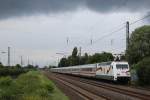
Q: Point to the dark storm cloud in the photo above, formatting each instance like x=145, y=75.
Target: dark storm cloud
x=13, y=8
x=118, y=5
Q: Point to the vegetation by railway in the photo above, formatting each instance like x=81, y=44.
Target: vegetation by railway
x=29, y=86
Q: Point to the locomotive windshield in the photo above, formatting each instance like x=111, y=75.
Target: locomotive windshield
x=121, y=66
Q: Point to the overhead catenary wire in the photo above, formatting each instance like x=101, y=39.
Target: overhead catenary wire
x=114, y=32
x=109, y=34
x=119, y=29
x=92, y=41
x=124, y=2
x=140, y=19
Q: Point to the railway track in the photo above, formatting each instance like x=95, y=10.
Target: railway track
x=123, y=91
x=135, y=94
x=82, y=92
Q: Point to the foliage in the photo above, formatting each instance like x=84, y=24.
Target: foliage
x=143, y=71
x=30, y=86
x=139, y=46
x=15, y=70
x=101, y=57
x=75, y=52
x=33, y=84
x=8, y=89
x=63, y=62
x=18, y=66
x=7, y=71
x=1, y=65
x=84, y=59
x=138, y=53
x=52, y=66
x=75, y=59
x=31, y=66
x=122, y=57
x=58, y=95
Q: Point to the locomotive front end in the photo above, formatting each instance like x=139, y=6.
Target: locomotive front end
x=122, y=72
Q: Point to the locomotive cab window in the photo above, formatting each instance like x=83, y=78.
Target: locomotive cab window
x=121, y=66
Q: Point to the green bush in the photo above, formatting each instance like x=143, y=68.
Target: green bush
x=8, y=89
x=29, y=86
x=6, y=71
x=33, y=83
x=143, y=71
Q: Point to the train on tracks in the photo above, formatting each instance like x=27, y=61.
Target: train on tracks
x=113, y=70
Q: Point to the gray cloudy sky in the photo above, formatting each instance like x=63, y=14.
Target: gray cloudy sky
x=37, y=29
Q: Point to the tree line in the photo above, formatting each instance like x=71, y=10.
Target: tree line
x=15, y=70
x=77, y=59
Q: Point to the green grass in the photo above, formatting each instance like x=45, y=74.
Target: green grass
x=30, y=86
x=58, y=95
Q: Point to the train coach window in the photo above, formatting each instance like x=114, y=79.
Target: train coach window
x=121, y=66
x=87, y=69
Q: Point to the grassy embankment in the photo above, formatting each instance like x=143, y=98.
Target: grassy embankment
x=29, y=86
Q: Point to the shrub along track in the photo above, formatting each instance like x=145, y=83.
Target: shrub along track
x=106, y=90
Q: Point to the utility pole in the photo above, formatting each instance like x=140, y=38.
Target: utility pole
x=67, y=40
x=127, y=35
x=28, y=61
x=80, y=55
x=32, y=63
x=9, y=56
x=91, y=41
x=111, y=43
x=2, y=53
x=21, y=61
x=80, y=52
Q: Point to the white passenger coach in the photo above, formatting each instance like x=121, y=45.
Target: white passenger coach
x=116, y=71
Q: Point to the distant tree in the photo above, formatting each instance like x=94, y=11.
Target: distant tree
x=1, y=65
x=95, y=58
x=101, y=57
x=18, y=66
x=75, y=52
x=30, y=66
x=122, y=57
x=63, y=62
x=52, y=66
x=70, y=62
x=139, y=46
x=107, y=56
x=75, y=59
x=84, y=59
x=36, y=66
